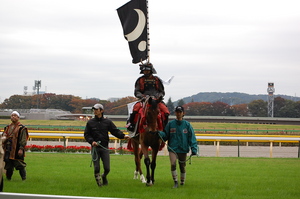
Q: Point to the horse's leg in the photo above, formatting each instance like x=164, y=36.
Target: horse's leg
x=137, y=159
x=146, y=159
x=148, y=177
x=142, y=178
x=153, y=163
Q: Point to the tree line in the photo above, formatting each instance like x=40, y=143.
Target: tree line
x=256, y=108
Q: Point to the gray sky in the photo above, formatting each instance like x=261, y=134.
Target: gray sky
x=77, y=47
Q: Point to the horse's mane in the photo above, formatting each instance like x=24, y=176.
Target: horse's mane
x=152, y=113
x=154, y=103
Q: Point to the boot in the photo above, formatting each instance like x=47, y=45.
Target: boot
x=131, y=125
x=9, y=173
x=174, y=176
x=104, y=180
x=175, y=185
x=182, y=178
x=98, y=179
x=23, y=173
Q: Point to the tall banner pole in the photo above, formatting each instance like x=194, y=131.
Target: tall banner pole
x=148, y=39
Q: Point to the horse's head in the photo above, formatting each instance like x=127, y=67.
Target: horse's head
x=152, y=112
x=153, y=102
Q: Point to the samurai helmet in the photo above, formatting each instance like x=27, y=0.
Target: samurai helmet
x=147, y=66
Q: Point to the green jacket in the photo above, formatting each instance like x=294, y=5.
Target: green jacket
x=180, y=136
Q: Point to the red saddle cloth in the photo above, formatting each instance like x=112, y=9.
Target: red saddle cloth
x=143, y=124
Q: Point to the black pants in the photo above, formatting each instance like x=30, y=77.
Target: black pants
x=102, y=154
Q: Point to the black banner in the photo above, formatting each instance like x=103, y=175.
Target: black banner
x=133, y=17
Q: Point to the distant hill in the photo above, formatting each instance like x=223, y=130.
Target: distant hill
x=230, y=98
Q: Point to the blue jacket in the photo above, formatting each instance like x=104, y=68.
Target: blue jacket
x=180, y=136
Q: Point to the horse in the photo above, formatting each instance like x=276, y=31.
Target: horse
x=147, y=127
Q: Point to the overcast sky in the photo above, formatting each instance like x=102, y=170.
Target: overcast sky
x=77, y=47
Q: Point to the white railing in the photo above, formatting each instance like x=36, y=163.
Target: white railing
x=254, y=138
x=66, y=135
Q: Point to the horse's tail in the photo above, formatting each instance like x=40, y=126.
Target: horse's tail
x=129, y=145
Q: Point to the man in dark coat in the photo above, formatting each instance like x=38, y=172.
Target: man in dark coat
x=96, y=133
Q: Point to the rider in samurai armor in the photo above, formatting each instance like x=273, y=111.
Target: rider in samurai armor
x=148, y=85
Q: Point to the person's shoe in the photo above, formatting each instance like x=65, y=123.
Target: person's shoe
x=98, y=180
x=23, y=173
x=175, y=185
x=104, y=180
x=9, y=174
x=182, y=182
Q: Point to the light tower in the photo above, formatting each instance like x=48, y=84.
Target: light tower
x=37, y=85
x=271, y=91
x=25, y=90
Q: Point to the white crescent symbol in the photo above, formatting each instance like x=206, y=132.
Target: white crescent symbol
x=142, y=46
x=139, y=27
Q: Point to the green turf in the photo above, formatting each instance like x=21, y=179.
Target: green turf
x=71, y=174
x=121, y=124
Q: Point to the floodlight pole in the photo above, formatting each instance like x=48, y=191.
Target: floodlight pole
x=271, y=91
x=37, y=85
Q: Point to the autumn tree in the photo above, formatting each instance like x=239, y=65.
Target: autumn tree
x=119, y=107
x=258, y=108
x=297, y=108
x=285, y=108
x=221, y=109
x=180, y=102
x=240, y=109
x=198, y=108
x=279, y=102
x=170, y=106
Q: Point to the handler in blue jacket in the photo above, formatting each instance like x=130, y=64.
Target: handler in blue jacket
x=181, y=137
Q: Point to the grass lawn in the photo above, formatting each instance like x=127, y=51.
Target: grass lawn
x=71, y=174
x=196, y=125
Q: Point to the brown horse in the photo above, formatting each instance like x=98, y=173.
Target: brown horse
x=147, y=136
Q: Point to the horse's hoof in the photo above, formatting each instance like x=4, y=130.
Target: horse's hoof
x=148, y=184
x=142, y=178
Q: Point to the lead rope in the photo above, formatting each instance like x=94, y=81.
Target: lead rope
x=189, y=159
x=94, y=151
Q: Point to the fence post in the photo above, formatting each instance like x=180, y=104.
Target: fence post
x=115, y=145
x=238, y=148
x=218, y=148
x=271, y=148
x=299, y=150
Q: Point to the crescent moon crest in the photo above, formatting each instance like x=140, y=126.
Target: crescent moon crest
x=138, y=30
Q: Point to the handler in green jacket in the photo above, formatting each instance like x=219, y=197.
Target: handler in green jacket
x=181, y=138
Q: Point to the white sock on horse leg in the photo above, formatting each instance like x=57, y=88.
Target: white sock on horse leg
x=142, y=178
x=136, y=174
